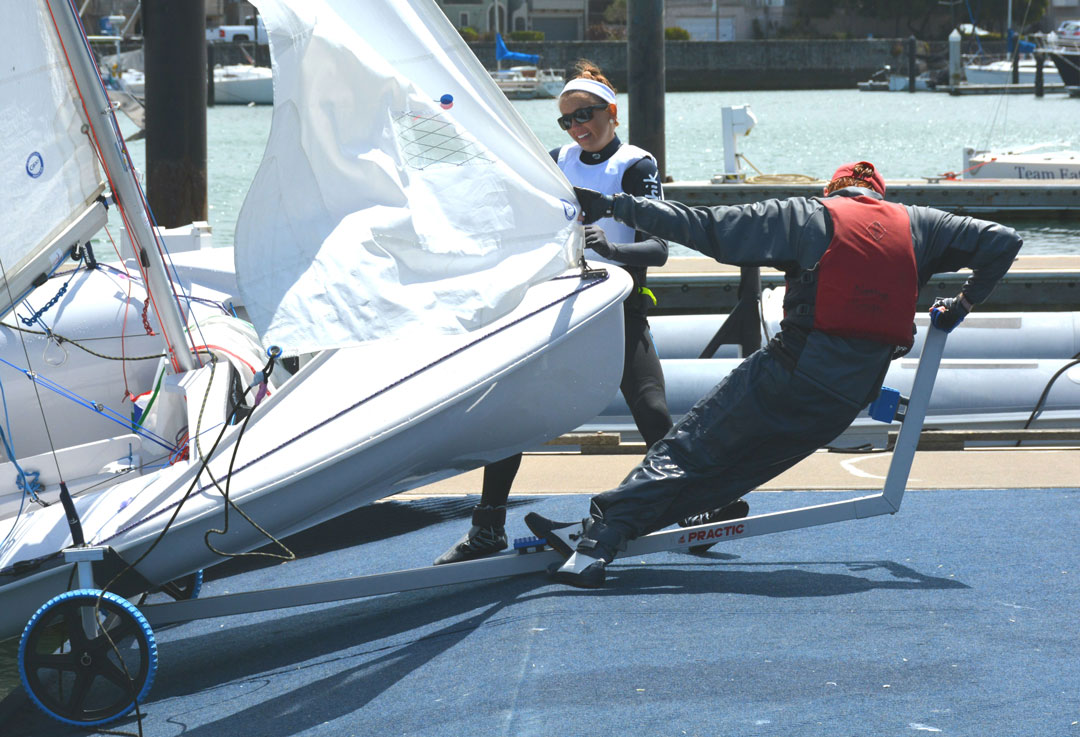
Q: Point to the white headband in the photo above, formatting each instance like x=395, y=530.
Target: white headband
x=599, y=89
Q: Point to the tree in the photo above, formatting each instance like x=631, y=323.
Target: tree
x=615, y=13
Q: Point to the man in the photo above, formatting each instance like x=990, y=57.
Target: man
x=854, y=264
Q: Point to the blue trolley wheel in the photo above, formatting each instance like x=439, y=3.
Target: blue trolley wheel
x=82, y=678
x=190, y=586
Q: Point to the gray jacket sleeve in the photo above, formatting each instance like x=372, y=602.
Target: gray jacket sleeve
x=946, y=242
x=784, y=234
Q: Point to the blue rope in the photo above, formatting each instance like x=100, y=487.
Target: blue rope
x=106, y=412
x=26, y=482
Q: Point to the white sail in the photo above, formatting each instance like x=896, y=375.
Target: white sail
x=50, y=176
x=380, y=206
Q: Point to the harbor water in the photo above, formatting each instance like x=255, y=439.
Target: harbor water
x=808, y=132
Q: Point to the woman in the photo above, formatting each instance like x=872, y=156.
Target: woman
x=595, y=159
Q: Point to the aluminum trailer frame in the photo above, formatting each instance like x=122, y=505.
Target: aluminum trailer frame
x=517, y=563
x=93, y=611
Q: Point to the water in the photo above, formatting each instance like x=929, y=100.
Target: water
x=811, y=132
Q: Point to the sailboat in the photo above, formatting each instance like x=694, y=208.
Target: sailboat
x=524, y=80
x=407, y=242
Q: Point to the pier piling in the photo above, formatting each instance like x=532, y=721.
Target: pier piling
x=174, y=48
x=645, y=72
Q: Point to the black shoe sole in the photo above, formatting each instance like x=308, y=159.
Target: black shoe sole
x=542, y=527
x=453, y=556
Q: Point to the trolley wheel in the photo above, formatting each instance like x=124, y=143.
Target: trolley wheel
x=189, y=586
x=87, y=678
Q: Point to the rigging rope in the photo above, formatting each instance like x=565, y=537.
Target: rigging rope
x=593, y=278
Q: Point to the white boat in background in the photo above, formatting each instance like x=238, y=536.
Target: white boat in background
x=1000, y=72
x=525, y=80
x=1047, y=161
x=406, y=238
x=529, y=82
x=887, y=79
x=243, y=84
x=234, y=84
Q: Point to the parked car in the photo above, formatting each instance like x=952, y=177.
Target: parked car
x=252, y=30
x=1068, y=33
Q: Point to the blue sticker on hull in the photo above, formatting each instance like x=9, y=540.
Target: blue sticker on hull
x=35, y=165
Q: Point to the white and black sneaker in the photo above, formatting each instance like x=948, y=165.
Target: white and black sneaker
x=479, y=542
x=562, y=536
x=581, y=570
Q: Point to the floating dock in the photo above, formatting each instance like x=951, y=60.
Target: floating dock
x=699, y=285
x=984, y=198
x=1001, y=89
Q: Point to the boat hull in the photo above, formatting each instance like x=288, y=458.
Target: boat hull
x=351, y=427
x=1067, y=61
x=1000, y=72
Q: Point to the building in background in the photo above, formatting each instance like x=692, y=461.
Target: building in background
x=493, y=16
x=570, y=20
x=725, y=20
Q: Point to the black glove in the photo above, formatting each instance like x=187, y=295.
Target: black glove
x=597, y=240
x=948, y=312
x=594, y=205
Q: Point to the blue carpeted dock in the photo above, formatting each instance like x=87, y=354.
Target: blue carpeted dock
x=957, y=616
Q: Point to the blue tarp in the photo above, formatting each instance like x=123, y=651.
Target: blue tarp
x=504, y=54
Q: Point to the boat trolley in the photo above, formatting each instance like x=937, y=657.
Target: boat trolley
x=87, y=657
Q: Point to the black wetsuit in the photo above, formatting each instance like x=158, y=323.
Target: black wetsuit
x=806, y=386
x=642, y=382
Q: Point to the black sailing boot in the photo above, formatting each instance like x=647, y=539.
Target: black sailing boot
x=487, y=536
x=736, y=510
x=586, y=558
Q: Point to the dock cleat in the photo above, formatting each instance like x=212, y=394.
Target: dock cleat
x=736, y=510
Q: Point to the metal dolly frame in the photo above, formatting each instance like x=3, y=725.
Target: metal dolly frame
x=515, y=563
x=138, y=622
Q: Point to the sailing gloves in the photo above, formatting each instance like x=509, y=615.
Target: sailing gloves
x=597, y=241
x=594, y=205
x=948, y=312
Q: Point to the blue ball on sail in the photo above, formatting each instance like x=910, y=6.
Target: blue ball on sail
x=446, y=101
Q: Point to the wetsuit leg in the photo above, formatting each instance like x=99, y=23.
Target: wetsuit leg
x=757, y=423
x=498, y=478
x=643, y=379
x=487, y=535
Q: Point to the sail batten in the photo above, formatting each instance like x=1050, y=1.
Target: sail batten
x=400, y=193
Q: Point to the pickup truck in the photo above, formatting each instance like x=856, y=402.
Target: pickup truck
x=251, y=31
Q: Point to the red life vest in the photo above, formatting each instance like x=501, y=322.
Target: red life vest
x=867, y=280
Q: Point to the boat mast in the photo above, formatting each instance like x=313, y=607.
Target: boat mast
x=125, y=186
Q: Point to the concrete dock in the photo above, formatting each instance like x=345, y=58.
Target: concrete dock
x=976, y=468
x=983, y=198
x=957, y=615
x=701, y=285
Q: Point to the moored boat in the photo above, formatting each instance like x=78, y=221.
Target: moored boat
x=1049, y=162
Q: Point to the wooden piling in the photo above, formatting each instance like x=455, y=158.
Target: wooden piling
x=174, y=48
